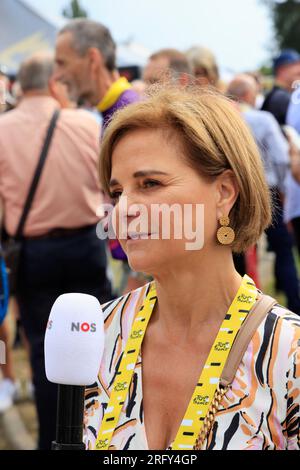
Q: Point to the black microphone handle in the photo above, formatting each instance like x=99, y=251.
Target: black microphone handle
x=69, y=425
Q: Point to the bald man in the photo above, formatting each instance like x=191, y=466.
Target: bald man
x=272, y=144
x=243, y=89
x=274, y=150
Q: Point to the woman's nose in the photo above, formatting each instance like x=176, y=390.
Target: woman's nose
x=128, y=207
x=129, y=214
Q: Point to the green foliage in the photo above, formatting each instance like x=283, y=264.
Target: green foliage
x=266, y=70
x=286, y=19
x=74, y=10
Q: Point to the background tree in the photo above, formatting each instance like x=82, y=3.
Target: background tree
x=75, y=10
x=286, y=20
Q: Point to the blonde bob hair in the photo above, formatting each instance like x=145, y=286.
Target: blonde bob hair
x=214, y=138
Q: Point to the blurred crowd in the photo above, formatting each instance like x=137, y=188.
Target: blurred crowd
x=60, y=249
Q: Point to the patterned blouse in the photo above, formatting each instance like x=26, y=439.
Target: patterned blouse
x=261, y=411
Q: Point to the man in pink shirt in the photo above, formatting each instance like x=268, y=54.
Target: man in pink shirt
x=61, y=252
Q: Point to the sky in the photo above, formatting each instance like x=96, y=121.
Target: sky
x=238, y=31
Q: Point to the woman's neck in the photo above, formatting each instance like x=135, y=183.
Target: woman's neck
x=197, y=296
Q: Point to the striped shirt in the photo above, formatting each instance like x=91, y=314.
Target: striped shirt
x=261, y=411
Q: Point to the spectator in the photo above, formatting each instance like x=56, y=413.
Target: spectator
x=59, y=92
x=286, y=71
x=16, y=91
x=9, y=386
x=293, y=113
x=292, y=202
x=292, y=207
x=6, y=100
x=274, y=150
x=61, y=252
x=139, y=86
x=86, y=63
x=204, y=66
x=260, y=97
x=166, y=65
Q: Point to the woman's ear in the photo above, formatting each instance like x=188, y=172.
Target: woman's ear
x=227, y=192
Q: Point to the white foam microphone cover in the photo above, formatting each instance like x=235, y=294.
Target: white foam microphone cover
x=74, y=340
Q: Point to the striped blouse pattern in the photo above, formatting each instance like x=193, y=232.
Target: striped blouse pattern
x=261, y=411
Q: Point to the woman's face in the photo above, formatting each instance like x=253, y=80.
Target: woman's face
x=148, y=170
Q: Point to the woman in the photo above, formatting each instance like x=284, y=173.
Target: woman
x=204, y=66
x=189, y=147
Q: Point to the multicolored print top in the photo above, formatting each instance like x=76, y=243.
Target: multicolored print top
x=261, y=411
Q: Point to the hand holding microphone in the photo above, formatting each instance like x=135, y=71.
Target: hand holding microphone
x=74, y=345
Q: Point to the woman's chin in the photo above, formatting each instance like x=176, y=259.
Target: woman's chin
x=140, y=263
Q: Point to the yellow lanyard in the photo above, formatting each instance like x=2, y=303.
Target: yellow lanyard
x=207, y=383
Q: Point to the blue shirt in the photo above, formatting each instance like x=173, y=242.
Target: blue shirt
x=273, y=146
x=293, y=114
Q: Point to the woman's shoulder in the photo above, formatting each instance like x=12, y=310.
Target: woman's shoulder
x=287, y=319
x=278, y=337
x=281, y=323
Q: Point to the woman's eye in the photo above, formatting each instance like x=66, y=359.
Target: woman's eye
x=150, y=183
x=115, y=195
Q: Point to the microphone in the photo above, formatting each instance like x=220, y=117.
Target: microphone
x=74, y=345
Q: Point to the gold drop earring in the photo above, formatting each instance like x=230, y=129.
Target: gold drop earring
x=225, y=234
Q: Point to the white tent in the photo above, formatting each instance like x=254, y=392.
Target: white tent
x=23, y=32
x=132, y=53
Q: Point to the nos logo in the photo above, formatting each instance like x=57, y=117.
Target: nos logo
x=84, y=327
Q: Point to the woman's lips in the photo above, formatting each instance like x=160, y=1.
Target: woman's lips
x=138, y=236
x=135, y=236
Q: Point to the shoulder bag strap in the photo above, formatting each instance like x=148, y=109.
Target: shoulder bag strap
x=37, y=174
x=250, y=325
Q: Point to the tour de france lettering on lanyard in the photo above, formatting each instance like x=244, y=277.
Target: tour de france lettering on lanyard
x=209, y=378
